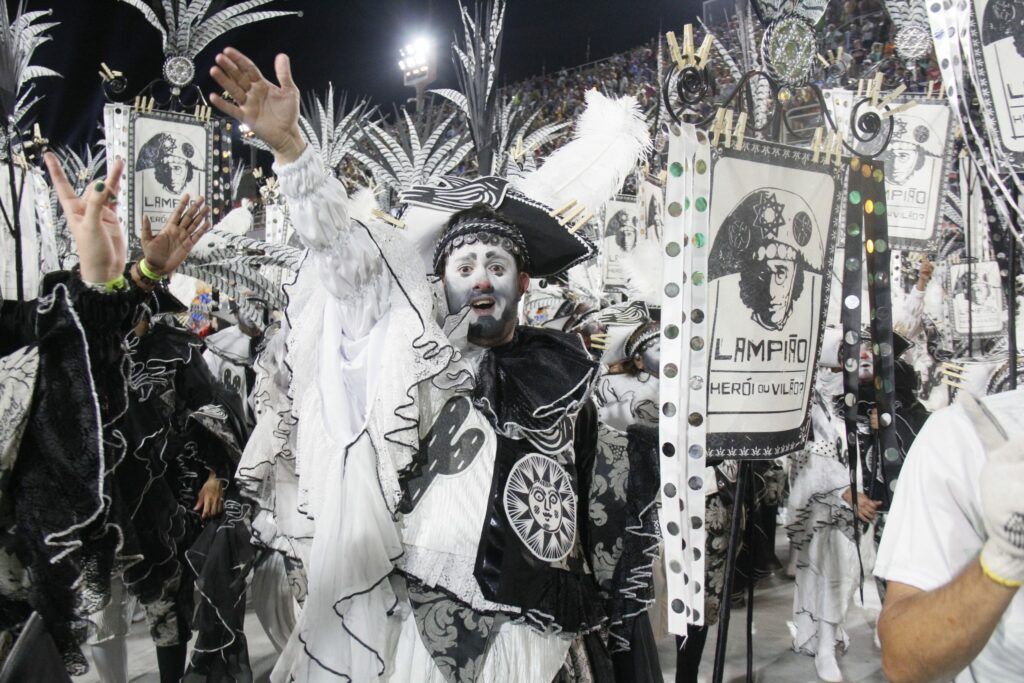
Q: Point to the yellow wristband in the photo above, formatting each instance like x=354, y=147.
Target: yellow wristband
x=116, y=285
x=147, y=273
x=995, y=577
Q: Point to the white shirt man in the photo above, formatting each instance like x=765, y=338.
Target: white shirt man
x=931, y=546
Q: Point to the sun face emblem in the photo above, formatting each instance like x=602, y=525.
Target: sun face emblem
x=541, y=506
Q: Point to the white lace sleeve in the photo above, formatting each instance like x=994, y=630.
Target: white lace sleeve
x=347, y=259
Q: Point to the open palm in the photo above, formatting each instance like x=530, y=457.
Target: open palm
x=189, y=222
x=270, y=111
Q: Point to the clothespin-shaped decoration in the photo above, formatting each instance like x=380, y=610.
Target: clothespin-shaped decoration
x=599, y=341
x=876, y=88
x=953, y=375
x=388, y=218
x=717, y=126
x=860, y=88
x=674, y=51
x=705, y=52
x=741, y=130
x=202, y=112
x=831, y=57
x=688, y=44
x=107, y=74
x=892, y=96
x=829, y=144
x=896, y=110
x=38, y=142
x=257, y=173
x=839, y=53
x=837, y=149
x=574, y=213
x=144, y=104
x=662, y=177
x=824, y=62
x=819, y=133
x=728, y=127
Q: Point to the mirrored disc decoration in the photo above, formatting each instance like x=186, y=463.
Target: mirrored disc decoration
x=913, y=42
x=788, y=49
x=179, y=71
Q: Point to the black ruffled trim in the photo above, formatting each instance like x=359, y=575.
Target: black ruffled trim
x=221, y=559
x=535, y=384
x=57, y=485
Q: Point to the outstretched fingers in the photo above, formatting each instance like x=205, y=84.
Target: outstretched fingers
x=245, y=65
x=102, y=192
x=231, y=86
x=65, y=191
x=229, y=108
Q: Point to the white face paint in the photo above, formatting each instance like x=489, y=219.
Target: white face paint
x=652, y=359
x=866, y=370
x=485, y=278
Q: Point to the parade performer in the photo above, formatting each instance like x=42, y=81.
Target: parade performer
x=822, y=533
x=445, y=453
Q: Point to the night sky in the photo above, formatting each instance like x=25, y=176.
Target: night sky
x=352, y=43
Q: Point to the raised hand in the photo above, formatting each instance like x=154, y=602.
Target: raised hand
x=924, y=275
x=92, y=222
x=165, y=252
x=270, y=111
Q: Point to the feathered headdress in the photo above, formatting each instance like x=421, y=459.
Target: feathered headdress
x=188, y=26
x=548, y=206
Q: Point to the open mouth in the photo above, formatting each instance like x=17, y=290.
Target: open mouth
x=483, y=305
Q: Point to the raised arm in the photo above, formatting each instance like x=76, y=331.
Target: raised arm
x=931, y=635
x=910, y=321
x=349, y=261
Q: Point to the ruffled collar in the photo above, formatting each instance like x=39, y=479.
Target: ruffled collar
x=534, y=386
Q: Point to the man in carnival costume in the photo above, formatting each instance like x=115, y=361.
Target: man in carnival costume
x=443, y=451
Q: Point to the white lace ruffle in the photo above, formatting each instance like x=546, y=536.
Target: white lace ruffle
x=370, y=368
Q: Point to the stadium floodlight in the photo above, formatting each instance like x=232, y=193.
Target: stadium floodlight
x=418, y=63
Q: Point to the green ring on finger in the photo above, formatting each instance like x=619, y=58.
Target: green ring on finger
x=100, y=186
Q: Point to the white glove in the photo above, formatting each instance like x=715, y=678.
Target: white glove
x=1002, y=506
x=1002, y=497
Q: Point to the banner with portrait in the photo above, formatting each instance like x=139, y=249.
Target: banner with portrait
x=167, y=155
x=630, y=254
x=917, y=163
x=619, y=241
x=772, y=224
x=997, y=40
x=974, y=296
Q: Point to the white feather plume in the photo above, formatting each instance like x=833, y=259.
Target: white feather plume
x=361, y=205
x=610, y=139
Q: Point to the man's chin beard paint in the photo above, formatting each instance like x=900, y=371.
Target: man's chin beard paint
x=491, y=331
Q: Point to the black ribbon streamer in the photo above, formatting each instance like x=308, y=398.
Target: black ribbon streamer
x=888, y=459
x=853, y=269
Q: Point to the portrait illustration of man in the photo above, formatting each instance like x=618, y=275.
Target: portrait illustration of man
x=170, y=160
x=765, y=239
x=912, y=144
